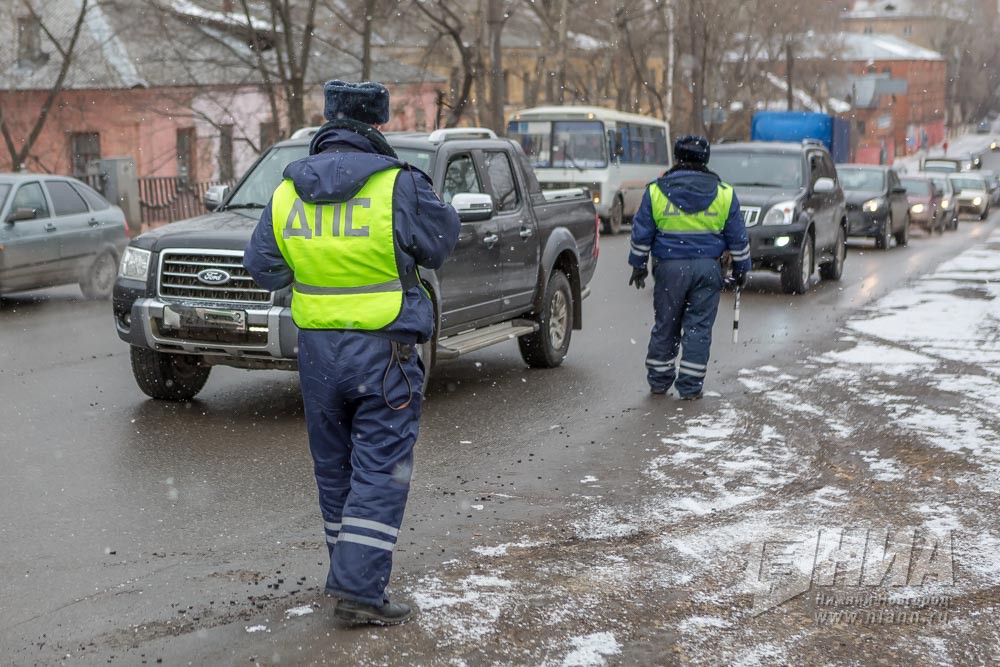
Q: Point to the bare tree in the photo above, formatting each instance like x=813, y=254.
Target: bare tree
x=450, y=21
x=67, y=53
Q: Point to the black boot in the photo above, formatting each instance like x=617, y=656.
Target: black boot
x=388, y=613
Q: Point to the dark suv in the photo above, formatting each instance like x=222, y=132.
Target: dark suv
x=793, y=207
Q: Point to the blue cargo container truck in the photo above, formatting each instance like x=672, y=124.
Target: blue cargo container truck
x=835, y=133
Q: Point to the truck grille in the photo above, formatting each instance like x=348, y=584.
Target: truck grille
x=751, y=215
x=180, y=270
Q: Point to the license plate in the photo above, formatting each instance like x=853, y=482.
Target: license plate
x=208, y=318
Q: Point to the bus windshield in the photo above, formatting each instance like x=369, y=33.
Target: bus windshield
x=563, y=144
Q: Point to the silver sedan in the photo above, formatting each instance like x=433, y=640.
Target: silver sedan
x=56, y=230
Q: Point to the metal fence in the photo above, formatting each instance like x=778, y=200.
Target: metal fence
x=170, y=198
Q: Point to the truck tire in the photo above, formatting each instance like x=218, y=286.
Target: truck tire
x=795, y=275
x=884, y=234
x=99, y=281
x=547, y=347
x=986, y=213
x=903, y=235
x=834, y=269
x=168, y=377
x=613, y=223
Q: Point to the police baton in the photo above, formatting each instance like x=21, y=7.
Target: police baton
x=736, y=315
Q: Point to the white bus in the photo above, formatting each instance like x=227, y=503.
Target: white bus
x=613, y=154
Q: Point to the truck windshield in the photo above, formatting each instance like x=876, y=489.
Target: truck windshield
x=762, y=170
x=265, y=178
x=563, y=144
x=861, y=180
x=4, y=190
x=419, y=159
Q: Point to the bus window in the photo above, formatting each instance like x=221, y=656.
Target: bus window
x=535, y=138
x=660, y=140
x=578, y=144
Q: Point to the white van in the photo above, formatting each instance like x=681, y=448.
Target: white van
x=613, y=154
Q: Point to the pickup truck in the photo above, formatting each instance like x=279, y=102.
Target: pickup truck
x=524, y=258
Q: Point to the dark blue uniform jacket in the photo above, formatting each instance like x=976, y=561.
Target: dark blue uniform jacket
x=691, y=192
x=339, y=164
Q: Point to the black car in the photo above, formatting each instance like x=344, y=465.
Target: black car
x=793, y=207
x=877, y=205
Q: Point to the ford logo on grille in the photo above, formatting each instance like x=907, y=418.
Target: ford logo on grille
x=214, y=276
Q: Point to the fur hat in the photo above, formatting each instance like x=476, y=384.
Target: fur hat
x=365, y=102
x=692, y=149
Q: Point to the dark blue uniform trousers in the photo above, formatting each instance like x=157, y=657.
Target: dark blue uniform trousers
x=685, y=302
x=362, y=452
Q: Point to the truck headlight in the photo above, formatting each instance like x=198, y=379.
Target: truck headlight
x=780, y=214
x=134, y=264
x=977, y=201
x=918, y=208
x=946, y=203
x=871, y=205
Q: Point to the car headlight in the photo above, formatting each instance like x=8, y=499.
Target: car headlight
x=918, y=208
x=134, y=264
x=977, y=201
x=967, y=166
x=780, y=214
x=872, y=205
x=945, y=203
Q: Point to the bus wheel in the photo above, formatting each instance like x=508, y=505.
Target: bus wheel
x=613, y=223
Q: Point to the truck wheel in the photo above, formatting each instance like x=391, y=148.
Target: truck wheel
x=834, y=269
x=100, y=278
x=884, y=234
x=903, y=235
x=168, y=377
x=547, y=347
x=426, y=353
x=613, y=223
x=796, y=274
x=986, y=213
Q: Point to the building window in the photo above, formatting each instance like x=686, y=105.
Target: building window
x=869, y=30
x=84, y=148
x=226, y=153
x=29, y=41
x=186, y=153
x=907, y=30
x=268, y=134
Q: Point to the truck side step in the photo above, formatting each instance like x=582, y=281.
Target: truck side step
x=470, y=341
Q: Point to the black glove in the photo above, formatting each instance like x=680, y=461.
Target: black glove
x=740, y=278
x=638, y=278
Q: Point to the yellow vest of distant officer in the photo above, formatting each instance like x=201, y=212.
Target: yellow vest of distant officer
x=672, y=220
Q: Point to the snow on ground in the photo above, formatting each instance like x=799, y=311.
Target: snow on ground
x=894, y=433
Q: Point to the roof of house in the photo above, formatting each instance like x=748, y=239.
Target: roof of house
x=906, y=9
x=166, y=43
x=857, y=47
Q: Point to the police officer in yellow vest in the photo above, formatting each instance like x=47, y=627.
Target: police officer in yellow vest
x=347, y=229
x=687, y=220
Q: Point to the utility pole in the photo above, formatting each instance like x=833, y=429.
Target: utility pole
x=494, y=23
x=668, y=96
x=789, y=59
x=561, y=59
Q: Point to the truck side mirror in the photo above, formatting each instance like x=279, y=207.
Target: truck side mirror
x=22, y=214
x=473, y=206
x=214, y=196
x=824, y=185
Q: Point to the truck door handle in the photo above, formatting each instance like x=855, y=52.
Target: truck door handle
x=93, y=222
x=525, y=232
x=490, y=239
x=50, y=227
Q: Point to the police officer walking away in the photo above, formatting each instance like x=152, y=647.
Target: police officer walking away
x=347, y=228
x=688, y=219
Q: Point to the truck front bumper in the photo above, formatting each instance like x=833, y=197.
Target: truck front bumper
x=270, y=334
x=773, y=246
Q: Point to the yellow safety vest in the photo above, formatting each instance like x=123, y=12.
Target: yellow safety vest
x=671, y=219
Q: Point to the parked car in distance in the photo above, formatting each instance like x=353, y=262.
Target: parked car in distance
x=973, y=194
x=185, y=303
x=55, y=230
x=993, y=181
x=876, y=203
x=949, y=205
x=984, y=126
x=925, y=198
x=793, y=207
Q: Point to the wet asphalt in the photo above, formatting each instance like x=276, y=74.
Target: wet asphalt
x=135, y=530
